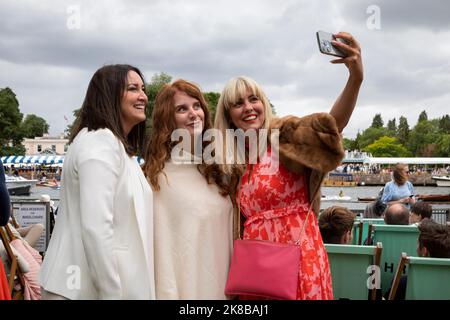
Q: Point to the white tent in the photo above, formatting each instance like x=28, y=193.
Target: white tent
x=427, y=161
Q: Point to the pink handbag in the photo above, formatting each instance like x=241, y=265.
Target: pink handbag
x=265, y=268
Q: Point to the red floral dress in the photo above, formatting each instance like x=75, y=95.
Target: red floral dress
x=275, y=207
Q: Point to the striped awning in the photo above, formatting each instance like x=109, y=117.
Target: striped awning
x=33, y=159
x=43, y=159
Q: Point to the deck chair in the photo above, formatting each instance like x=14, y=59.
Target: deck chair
x=349, y=269
x=428, y=278
x=357, y=232
x=361, y=234
x=396, y=239
x=15, y=273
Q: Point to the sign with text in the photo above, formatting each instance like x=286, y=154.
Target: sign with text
x=28, y=213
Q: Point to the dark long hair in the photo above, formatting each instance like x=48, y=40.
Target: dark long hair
x=102, y=107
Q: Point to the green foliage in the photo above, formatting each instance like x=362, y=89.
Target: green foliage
x=152, y=89
x=369, y=136
x=422, y=137
x=403, y=131
x=68, y=130
x=443, y=146
x=212, y=98
x=350, y=144
x=444, y=124
x=387, y=147
x=377, y=121
x=11, y=134
x=423, y=116
x=34, y=126
x=391, y=128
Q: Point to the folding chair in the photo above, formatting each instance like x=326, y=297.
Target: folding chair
x=349, y=266
x=357, y=232
x=428, y=278
x=15, y=273
x=396, y=239
x=361, y=229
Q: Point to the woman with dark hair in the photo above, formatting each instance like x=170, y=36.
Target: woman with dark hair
x=102, y=243
x=399, y=189
x=192, y=207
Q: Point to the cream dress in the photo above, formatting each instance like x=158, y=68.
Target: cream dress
x=193, y=235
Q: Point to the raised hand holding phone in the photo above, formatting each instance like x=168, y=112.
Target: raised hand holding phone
x=353, y=51
x=324, y=40
x=345, y=103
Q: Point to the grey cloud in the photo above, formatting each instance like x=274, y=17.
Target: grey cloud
x=211, y=41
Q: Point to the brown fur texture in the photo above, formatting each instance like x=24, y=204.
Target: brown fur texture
x=309, y=142
x=310, y=145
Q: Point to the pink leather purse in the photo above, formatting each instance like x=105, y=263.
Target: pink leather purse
x=265, y=269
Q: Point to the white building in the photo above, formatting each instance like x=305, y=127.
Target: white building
x=46, y=145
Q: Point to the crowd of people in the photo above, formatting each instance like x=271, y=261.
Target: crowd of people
x=381, y=169
x=166, y=231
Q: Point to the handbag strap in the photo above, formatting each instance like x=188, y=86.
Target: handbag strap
x=297, y=243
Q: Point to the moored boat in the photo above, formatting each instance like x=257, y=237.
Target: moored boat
x=17, y=185
x=442, y=181
x=434, y=197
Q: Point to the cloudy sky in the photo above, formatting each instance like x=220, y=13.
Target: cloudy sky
x=50, y=49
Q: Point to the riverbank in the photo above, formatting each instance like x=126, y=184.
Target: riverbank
x=352, y=192
x=376, y=179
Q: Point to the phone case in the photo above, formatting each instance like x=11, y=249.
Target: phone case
x=326, y=47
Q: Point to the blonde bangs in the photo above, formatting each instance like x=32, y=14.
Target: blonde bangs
x=237, y=88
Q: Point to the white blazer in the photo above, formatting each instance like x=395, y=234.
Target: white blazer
x=102, y=243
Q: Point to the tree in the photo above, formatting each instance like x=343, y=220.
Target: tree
x=212, y=98
x=444, y=124
x=377, y=121
x=152, y=89
x=68, y=130
x=392, y=128
x=11, y=135
x=403, y=131
x=443, y=146
x=423, y=116
x=369, y=136
x=387, y=147
x=350, y=144
x=34, y=126
x=424, y=133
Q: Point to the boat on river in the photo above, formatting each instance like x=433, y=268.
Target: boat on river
x=18, y=186
x=442, y=181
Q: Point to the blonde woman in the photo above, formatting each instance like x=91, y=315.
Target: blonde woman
x=274, y=206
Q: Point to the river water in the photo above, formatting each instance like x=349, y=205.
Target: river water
x=352, y=204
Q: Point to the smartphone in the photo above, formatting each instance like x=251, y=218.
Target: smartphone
x=326, y=47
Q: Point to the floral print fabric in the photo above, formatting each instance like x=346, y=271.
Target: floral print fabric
x=275, y=207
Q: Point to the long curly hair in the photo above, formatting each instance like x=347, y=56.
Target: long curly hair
x=159, y=146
